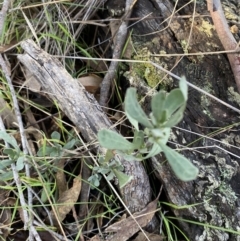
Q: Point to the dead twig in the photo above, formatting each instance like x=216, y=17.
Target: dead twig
x=226, y=37
x=3, y=14
x=27, y=216
x=118, y=46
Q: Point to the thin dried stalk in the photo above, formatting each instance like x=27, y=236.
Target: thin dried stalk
x=228, y=41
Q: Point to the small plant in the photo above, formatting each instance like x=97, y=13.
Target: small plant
x=110, y=166
x=15, y=155
x=58, y=148
x=167, y=111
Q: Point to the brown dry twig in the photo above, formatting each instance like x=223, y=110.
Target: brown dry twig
x=118, y=46
x=226, y=37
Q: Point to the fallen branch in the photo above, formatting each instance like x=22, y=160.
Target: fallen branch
x=228, y=41
x=85, y=112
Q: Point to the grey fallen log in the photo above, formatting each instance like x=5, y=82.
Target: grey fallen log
x=84, y=111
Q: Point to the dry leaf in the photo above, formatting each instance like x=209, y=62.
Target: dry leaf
x=91, y=83
x=38, y=136
x=66, y=201
x=61, y=182
x=96, y=238
x=6, y=113
x=151, y=236
x=125, y=229
x=234, y=29
x=5, y=216
x=31, y=120
x=117, y=116
x=7, y=47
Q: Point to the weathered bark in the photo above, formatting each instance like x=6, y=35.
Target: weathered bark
x=84, y=111
x=216, y=189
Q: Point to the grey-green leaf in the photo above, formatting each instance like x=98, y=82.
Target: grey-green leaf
x=156, y=149
x=174, y=100
x=129, y=157
x=184, y=88
x=133, y=108
x=138, y=139
x=157, y=104
x=181, y=166
x=9, y=139
x=175, y=118
x=44, y=151
x=45, y=192
x=114, y=141
x=55, y=135
x=12, y=153
x=123, y=179
x=6, y=176
x=70, y=144
x=109, y=155
x=162, y=134
x=132, y=121
x=5, y=163
x=20, y=163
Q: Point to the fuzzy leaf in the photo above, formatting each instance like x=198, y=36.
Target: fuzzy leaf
x=183, y=87
x=133, y=108
x=9, y=139
x=123, y=179
x=12, y=153
x=112, y=140
x=162, y=134
x=56, y=151
x=44, y=151
x=20, y=163
x=109, y=155
x=157, y=104
x=44, y=194
x=70, y=144
x=175, y=118
x=138, y=139
x=5, y=163
x=129, y=157
x=156, y=149
x=55, y=135
x=174, y=101
x=181, y=166
x=132, y=121
x=163, y=118
x=95, y=180
x=6, y=176
x=110, y=176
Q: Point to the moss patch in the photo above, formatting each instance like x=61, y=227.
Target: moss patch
x=153, y=76
x=206, y=27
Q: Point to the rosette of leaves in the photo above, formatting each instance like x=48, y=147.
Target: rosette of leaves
x=15, y=155
x=57, y=148
x=167, y=111
x=111, y=167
